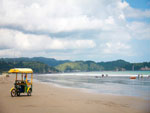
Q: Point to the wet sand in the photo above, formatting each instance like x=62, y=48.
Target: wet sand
x=47, y=98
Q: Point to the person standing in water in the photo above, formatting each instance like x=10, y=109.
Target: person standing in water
x=138, y=76
x=106, y=75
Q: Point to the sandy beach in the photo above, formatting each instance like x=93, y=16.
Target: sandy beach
x=47, y=98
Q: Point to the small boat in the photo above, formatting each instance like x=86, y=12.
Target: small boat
x=132, y=77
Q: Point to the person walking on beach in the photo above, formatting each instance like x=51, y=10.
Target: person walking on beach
x=138, y=76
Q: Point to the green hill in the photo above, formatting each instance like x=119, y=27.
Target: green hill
x=48, y=61
x=118, y=65
x=37, y=67
x=113, y=65
x=79, y=66
x=50, y=65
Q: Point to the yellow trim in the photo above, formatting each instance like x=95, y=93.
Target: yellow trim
x=11, y=89
x=26, y=78
x=28, y=89
x=21, y=70
x=31, y=77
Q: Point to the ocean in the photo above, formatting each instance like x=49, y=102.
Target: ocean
x=116, y=83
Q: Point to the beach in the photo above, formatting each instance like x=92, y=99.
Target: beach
x=48, y=98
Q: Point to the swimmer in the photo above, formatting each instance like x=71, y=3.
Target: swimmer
x=138, y=76
x=106, y=75
x=96, y=76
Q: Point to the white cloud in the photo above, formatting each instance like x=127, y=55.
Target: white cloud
x=66, y=15
x=121, y=16
x=109, y=20
x=56, y=16
x=115, y=48
x=139, y=30
x=20, y=41
x=136, y=13
x=99, y=22
x=123, y=5
x=116, y=34
x=130, y=12
x=51, y=16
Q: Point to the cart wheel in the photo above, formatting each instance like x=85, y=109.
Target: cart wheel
x=18, y=93
x=13, y=93
x=29, y=92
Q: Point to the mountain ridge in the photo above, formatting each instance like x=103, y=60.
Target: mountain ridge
x=51, y=65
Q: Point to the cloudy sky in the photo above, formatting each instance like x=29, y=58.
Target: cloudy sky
x=99, y=30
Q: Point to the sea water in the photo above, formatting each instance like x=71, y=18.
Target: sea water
x=117, y=83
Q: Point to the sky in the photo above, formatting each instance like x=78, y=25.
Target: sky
x=98, y=30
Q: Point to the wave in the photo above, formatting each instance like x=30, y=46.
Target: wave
x=105, y=73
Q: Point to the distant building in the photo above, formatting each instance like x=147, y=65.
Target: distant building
x=123, y=69
x=117, y=69
x=145, y=68
x=120, y=69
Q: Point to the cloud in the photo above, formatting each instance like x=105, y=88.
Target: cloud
x=115, y=48
x=115, y=35
x=51, y=16
x=136, y=13
x=139, y=30
x=109, y=20
x=76, y=28
x=55, y=16
x=123, y=5
x=67, y=16
x=18, y=40
x=130, y=12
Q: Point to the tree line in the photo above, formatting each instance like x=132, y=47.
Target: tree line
x=49, y=65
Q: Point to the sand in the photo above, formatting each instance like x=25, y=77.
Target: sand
x=47, y=98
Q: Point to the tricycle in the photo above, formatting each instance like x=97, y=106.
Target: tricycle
x=22, y=85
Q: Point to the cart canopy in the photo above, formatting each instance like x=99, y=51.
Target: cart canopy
x=20, y=70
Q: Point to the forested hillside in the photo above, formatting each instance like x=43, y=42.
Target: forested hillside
x=49, y=65
x=37, y=67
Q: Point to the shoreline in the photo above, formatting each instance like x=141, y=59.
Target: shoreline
x=119, y=86
x=94, y=73
x=48, y=98
x=90, y=91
